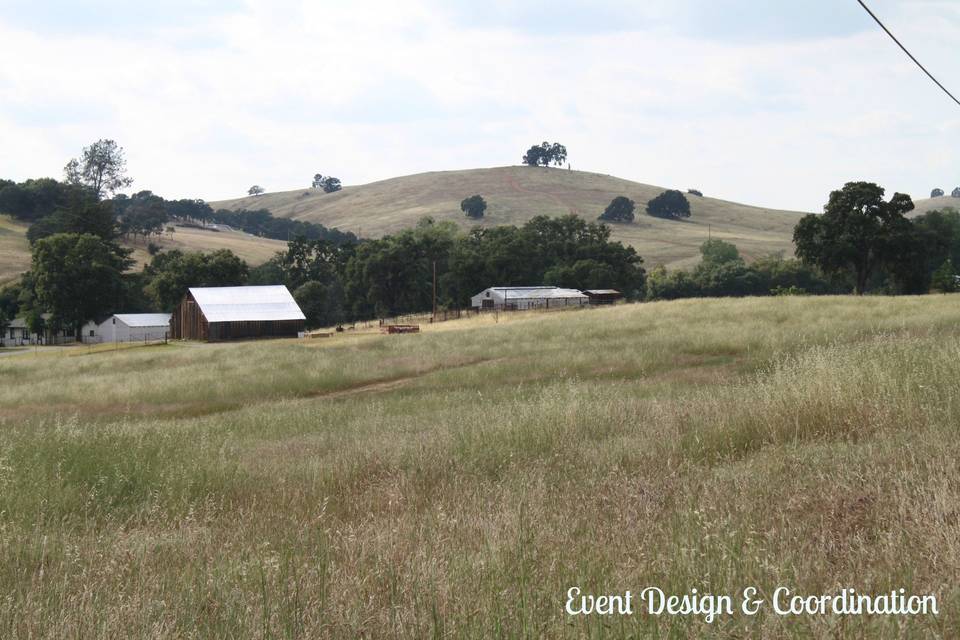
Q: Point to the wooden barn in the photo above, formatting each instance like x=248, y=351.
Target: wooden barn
x=232, y=313
x=603, y=296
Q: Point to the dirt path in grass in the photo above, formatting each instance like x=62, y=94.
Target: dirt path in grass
x=390, y=384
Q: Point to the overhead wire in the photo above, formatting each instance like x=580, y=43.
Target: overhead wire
x=906, y=51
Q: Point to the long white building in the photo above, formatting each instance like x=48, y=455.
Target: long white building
x=522, y=298
x=133, y=327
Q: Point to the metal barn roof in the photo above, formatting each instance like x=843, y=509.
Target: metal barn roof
x=602, y=292
x=239, y=304
x=537, y=293
x=144, y=319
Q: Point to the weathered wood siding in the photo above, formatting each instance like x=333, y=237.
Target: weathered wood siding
x=189, y=323
x=255, y=329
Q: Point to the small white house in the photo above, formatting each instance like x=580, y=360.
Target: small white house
x=132, y=327
x=522, y=298
x=17, y=334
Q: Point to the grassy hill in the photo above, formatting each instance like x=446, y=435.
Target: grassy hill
x=456, y=483
x=924, y=205
x=253, y=249
x=516, y=194
x=15, y=250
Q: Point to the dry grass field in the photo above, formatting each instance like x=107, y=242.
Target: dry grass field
x=455, y=483
x=516, y=194
x=924, y=205
x=14, y=249
x=253, y=249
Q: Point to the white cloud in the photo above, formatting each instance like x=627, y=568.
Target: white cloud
x=277, y=91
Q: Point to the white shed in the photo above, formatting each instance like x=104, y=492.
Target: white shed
x=522, y=298
x=134, y=327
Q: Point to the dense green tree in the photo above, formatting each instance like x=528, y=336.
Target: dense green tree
x=940, y=231
x=8, y=306
x=474, y=206
x=321, y=303
x=620, y=209
x=781, y=274
x=188, y=209
x=80, y=214
x=857, y=233
x=582, y=274
x=142, y=214
x=268, y=273
x=102, y=167
x=331, y=184
x=33, y=200
x=171, y=273
x=670, y=204
x=671, y=285
x=945, y=277
x=718, y=252
x=77, y=277
x=545, y=154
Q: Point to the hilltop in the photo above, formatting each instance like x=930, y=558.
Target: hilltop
x=923, y=205
x=516, y=194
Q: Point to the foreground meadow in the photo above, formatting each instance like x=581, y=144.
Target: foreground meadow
x=458, y=482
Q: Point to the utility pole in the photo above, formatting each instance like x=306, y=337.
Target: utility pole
x=434, y=319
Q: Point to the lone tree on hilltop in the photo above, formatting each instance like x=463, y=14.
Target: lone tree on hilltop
x=620, y=209
x=857, y=232
x=670, y=204
x=956, y=193
x=545, y=154
x=329, y=184
x=474, y=206
x=936, y=193
x=256, y=190
x=102, y=167
x=695, y=192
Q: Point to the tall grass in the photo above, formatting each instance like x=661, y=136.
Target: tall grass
x=456, y=483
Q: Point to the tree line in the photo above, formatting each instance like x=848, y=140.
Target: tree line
x=51, y=206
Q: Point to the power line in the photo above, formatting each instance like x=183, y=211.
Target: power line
x=922, y=68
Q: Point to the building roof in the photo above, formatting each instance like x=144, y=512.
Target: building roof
x=21, y=321
x=536, y=293
x=143, y=319
x=602, y=292
x=239, y=304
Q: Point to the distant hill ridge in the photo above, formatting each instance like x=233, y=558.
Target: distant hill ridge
x=517, y=193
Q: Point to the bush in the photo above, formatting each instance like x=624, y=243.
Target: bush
x=670, y=204
x=620, y=209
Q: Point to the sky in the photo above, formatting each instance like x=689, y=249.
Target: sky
x=772, y=103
